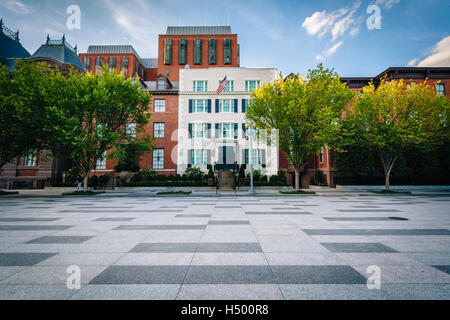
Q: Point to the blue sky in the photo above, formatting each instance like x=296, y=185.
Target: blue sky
x=292, y=36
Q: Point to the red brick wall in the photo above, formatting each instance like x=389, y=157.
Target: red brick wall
x=175, y=67
x=169, y=142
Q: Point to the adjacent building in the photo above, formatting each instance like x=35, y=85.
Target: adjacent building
x=212, y=128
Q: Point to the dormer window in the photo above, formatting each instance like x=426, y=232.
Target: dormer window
x=161, y=84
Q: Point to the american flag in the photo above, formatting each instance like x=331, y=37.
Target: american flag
x=222, y=85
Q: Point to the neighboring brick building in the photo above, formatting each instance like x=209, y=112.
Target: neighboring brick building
x=36, y=169
x=439, y=77
x=197, y=47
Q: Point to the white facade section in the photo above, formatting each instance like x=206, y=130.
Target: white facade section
x=211, y=127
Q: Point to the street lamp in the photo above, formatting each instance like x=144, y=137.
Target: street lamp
x=250, y=133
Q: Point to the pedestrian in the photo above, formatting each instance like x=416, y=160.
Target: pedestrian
x=79, y=183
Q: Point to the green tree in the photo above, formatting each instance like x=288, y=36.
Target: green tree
x=395, y=118
x=91, y=114
x=23, y=110
x=305, y=111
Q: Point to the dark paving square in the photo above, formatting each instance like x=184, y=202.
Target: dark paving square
x=377, y=232
x=443, y=268
x=141, y=275
x=357, y=247
x=278, y=212
x=229, y=275
x=356, y=218
x=18, y=228
x=229, y=247
x=317, y=275
x=27, y=219
x=228, y=222
x=60, y=239
x=193, y=216
x=13, y=259
x=165, y=247
x=114, y=219
x=162, y=227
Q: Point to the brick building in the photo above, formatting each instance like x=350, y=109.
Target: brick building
x=439, y=77
x=37, y=169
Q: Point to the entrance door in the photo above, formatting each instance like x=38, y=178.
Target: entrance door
x=226, y=158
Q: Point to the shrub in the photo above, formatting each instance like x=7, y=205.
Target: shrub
x=318, y=179
x=171, y=177
x=103, y=180
x=194, y=173
x=149, y=173
x=274, y=179
x=93, y=181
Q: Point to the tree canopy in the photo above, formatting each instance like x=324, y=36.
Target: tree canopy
x=306, y=111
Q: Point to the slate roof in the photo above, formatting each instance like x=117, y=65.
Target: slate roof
x=150, y=62
x=10, y=49
x=193, y=30
x=60, y=53
x=114, y=49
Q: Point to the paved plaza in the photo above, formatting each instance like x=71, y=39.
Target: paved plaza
x=137, y=246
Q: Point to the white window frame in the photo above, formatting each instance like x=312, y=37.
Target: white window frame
x=440, y=92
x=226, y=128
x=255, y=157
x=322, y=155
x=200, y=85
x=222, y=103
x=252, y=85
x=160, y=106
x=159, y=129
x=161, y=84
x=229, y=86
x=196, y=108
x=199, y=130
x=101, y=163
x=199, y=157
x=30, y=159
x=158, y=159
x=130, y=129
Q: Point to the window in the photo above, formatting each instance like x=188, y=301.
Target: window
x=101, y=163
x=124, y=66
x=160, y=105
x=158, y=158
x=229, y=86
x=200, y=86
x=161, y=85
x=199, y=157
x=199, y=106
x=245, y=105
x=251, y=85
x=199, y=130
x=322, y=155
x=158, y=129
x=98, y=64
x=111, y=63
x=226, y=130
x=130, y=129
x=30, y=160
x=226, y=105
x=440, y=89
x=87, y=63
x=256, y=156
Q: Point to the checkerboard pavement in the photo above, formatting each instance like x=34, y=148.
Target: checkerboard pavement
x=133, y=246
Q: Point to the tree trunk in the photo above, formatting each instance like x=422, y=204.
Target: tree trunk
x=388, y=164
x=297, y=179
x=86, y=180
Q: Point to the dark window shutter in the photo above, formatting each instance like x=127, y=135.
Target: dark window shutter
x=209, y=130
x=236, y=130
x=190, y=130
x=263, y=157
x=244, y=107
x=246, y=157
x=217, y=130
x=208, y=156
x=235, y=105
x=189, y=159
x=217, y=106
x=190, y=105
x=244, y=131
x=209, y=105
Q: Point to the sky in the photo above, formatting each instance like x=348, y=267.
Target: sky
x=292, y=36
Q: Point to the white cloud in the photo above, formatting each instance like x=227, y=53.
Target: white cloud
x=328, y=52
x=17, y=7
x=438, y=57
x=338, y=22
x=388, y=4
